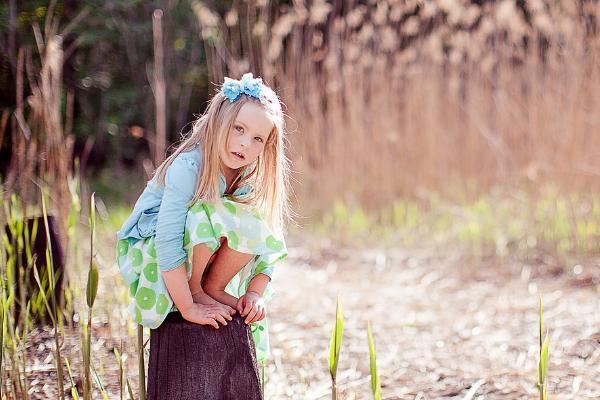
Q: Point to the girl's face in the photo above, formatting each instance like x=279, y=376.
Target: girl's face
x=247, y=137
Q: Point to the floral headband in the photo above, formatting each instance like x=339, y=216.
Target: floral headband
x=232, y=89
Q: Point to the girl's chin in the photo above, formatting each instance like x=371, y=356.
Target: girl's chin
x=234, y=165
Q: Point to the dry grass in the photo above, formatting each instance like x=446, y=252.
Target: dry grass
x=392, y=98
x=42, y=142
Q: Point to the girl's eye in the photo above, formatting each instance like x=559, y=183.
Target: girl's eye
x=239, y=129
x=259, y=139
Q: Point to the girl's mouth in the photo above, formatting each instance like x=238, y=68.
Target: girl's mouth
x=238, y=155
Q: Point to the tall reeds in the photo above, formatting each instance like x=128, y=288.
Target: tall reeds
x=42, y=142
x=399, y=98
x=41, y=157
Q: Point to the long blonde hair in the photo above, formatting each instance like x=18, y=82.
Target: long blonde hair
x=268, y=176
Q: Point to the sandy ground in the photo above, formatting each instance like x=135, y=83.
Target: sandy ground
x=442, y=327
x=445, y=327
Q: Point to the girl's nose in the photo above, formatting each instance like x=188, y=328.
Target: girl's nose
x=245, y=141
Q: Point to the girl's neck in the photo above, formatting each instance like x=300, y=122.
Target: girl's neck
x=230, y=175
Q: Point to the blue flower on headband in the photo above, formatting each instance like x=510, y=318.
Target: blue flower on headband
x=232, y=89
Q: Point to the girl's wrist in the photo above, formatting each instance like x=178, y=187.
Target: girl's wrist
x=185, y=308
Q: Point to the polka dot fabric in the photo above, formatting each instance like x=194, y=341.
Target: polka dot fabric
x=206, y=223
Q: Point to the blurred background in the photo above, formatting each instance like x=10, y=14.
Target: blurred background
x=446, y=142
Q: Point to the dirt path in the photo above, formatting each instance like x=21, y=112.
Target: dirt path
x=442, y=326
x=439, y=329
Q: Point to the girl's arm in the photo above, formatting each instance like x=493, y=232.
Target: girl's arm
x=226, y=264
x=258, y=284
x=215, y=288
x=176, y=282
x=180, y=185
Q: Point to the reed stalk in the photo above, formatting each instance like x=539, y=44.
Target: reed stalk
x=121, y=370
x=91, y=292
x=2, y=330
x=99, y=383
x=141, y=363
x=74, y=393
x=159, y=88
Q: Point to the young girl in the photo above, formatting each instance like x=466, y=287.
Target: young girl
x=207, y=230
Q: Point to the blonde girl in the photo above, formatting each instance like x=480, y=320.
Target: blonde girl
x=206, y=232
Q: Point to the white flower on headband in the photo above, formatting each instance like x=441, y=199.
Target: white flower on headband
x=232, y=89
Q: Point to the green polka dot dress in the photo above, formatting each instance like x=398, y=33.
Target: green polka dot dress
x=206, y=223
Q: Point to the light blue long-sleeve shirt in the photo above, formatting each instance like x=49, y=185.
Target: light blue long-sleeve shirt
x=162, y=210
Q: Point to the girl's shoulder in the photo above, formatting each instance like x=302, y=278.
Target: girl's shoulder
x=186, y=163
x=193, y=158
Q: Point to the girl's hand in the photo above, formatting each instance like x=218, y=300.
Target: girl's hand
x=252, y=306
x=206, y=314
x=202, y=298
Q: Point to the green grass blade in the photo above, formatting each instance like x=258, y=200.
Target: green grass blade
x=92, y=285
x=540, y=378
x=336, y=339
x=120, y=362
x=99, y=383
x=74, y=393
x=544, y=359
x=2, y=328
x=129, y=390
x=375, y=383
x=36, y=276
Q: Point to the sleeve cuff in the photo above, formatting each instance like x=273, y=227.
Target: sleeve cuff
x=268, y=272
x=171, y=266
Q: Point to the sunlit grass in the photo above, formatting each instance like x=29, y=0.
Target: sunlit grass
x=498, y=223
x=29, y=303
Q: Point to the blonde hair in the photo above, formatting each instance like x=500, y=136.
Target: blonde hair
x=268, y=176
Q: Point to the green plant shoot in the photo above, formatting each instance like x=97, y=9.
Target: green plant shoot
x=543, y=361
x=336, y=342
x=375, y=383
